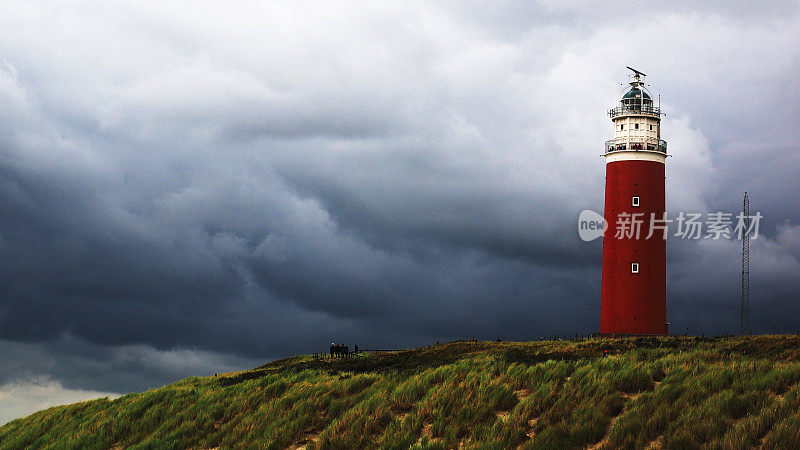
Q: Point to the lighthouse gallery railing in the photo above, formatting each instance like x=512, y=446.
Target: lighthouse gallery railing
x=618, y=145
x=645, y=110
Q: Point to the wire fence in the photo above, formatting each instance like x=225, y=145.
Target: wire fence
x=360, y=352
x=573, y=337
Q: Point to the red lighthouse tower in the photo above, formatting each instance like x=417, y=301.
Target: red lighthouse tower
x=634, y=288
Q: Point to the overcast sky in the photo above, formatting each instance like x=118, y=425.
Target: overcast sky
x=187, y=188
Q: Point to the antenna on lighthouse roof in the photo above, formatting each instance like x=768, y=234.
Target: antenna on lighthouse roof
x=637, y=82
x=636, y=72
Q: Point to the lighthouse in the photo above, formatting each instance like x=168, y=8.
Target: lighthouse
x=633, y=298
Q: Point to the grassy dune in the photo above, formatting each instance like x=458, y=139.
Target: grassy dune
x=676, y=392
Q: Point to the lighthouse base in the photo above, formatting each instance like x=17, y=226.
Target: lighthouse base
x=633, y=294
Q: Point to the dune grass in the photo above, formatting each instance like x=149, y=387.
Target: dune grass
x=674, y=392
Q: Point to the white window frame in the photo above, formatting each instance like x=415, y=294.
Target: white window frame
x=635, y=201
x=634, y=267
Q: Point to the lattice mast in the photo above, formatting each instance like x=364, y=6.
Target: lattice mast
x=744, y=327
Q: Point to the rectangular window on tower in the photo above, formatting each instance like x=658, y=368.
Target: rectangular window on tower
x=651, y=128
x=636, y=126
x=635, y=201
x=622, y=126
x=634, y=267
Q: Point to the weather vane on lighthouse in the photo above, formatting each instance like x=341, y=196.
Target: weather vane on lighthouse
x=633, y=296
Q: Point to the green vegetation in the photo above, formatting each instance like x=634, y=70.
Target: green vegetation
x=676, y=392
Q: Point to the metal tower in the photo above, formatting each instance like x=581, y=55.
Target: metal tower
x=744, y=327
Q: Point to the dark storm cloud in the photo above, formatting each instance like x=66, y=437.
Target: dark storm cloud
x=182, y=183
